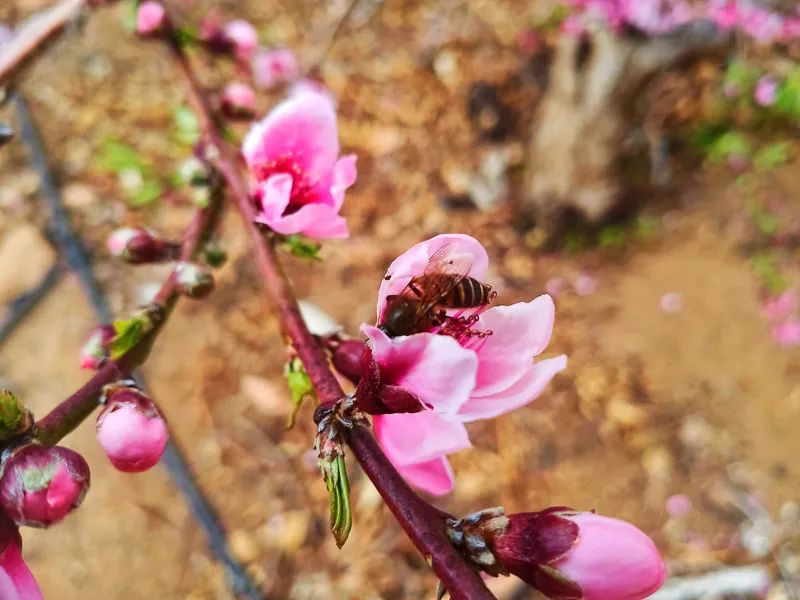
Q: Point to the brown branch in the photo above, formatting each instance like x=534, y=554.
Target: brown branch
x=71, y=412
x=422, y=522
x=32, y=35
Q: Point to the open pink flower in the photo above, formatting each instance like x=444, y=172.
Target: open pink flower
x=16, y=579
x=293, y=154
x=459, y=374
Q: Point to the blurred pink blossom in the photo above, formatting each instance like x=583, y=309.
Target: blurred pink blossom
x=293, y=155
x=787, y=333
x=555, y=285
x=238, y=100
x=766, y=91
x=782, y=306
x=243, y=36
x=671, y=302
x=679, y=505
x=458, y=375
x=274, y=67
x=150, y=17
x=585, y=285
x=16, y=580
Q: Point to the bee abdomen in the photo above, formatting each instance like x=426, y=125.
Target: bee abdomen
x=468, y=293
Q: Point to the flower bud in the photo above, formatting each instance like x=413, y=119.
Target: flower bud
x=15, y=418
x=41, y=485
x=569, y=554
x=193, y=171
x=131, y=430
x=137, y=245
x=193, y=280
x=243, y=36
x=273, y=67
x=150, y=18
x=238, y=101
x=347, y=359
x=95, y=351
x=214, y=255
x=16, y=580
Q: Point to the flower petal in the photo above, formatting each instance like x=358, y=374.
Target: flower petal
x=523, y=391
x=16, y=580
x=433, y=476
x=413, y=262
x=434, y=367
x=274, y=195
x=303, y=127
x=519, y=332
x=317, y=221
x=344, y=175
x=410, y=438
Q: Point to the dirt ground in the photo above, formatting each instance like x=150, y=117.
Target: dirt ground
x=699, y=402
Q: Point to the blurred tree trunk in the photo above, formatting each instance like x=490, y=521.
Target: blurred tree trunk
x=589, y=111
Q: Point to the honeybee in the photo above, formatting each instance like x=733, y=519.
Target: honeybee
x=444, y=284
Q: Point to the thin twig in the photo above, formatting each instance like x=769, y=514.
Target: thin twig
x=70, y=245
x=20, y=307
x=422, y=522
x=32, y=35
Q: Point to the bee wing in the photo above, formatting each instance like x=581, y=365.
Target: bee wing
x=447, y=261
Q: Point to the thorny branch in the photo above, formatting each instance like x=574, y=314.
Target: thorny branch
x=422, y=522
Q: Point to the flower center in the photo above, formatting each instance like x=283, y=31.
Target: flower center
x=302, y=185
x=462, y=328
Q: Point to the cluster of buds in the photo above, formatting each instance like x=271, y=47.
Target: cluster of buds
x=563, y=553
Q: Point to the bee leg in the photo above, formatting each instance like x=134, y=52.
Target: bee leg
x=414, y=289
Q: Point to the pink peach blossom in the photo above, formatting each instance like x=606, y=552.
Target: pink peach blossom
x=274, y=67
x=585, y=285
x=612, y=559
x=131, y=431
x=16, y=580
x=766, y=91
x=787, y=333
x=243, y=36
x=671, y=302
x=150, y=17
x=458, y=373
x=238, y=99
x=782, y=306
x=679, y=505
x=293, y=155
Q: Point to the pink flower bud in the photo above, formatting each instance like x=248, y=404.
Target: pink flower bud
x=568, y=554
x=138, y=245
x=787, y=333
x=238, y=100
x=131, y=430
x=95, y=351
x=274, y=67
x=243, y=36
x=150, y=18
x=16, y=580
x=41, y=485
x=766, y=92
x=193, y=280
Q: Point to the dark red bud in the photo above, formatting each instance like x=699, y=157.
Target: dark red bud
x=138, y=245
x=347, y=359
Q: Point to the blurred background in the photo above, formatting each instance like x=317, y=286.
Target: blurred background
x=645, y=176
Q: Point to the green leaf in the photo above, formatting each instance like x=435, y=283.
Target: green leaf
x=13, y=414
x=301, y=247
x=150, y=191
x=766, y=269
x=186, y=37
x=767, y=223
x=116, y=157
x=187, y=127
x=772, y=156
x=300, y=386
x=129, y=332
x=341, y=521
x=787, y=101
x=131, y=9
x=728, y=144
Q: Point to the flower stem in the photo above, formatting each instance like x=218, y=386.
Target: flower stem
x=422, y=522
x=71, y=412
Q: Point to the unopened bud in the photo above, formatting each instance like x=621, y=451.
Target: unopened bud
x=243, y=37
x=41, y=485
x=214, y=255
x=96, y=350
x=131, y=430
x=238, y=101
x=347, y=359
x=150, y=18
x=563, y=553
x=193, y=280
x=15, y=418
x=138, y=245
x=194, y=172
